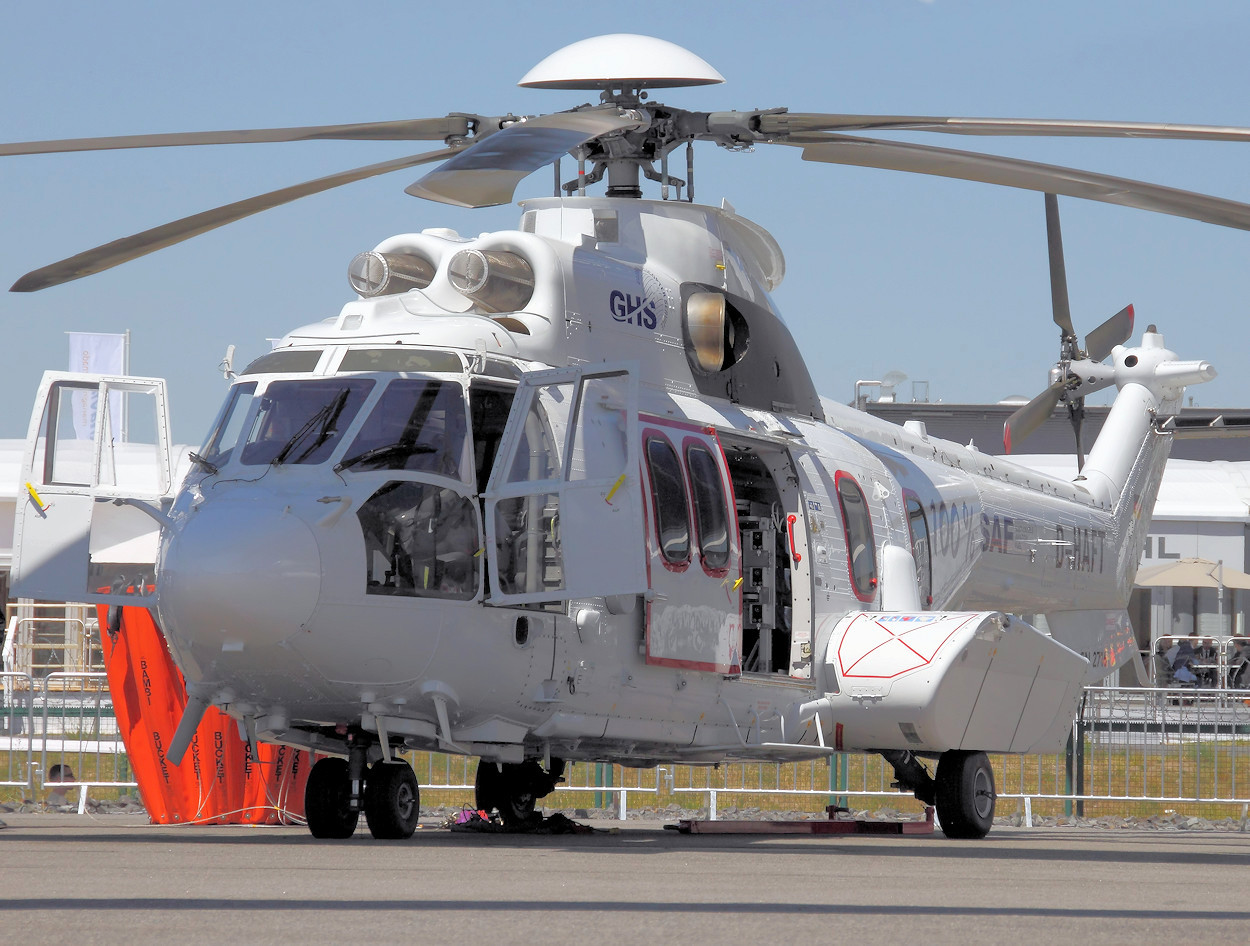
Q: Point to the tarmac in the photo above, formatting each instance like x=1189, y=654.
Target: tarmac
x=116, y=879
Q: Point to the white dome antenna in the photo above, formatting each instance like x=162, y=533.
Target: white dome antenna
x=621, y=61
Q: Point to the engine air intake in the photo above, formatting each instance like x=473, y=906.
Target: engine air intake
x=496, y=280
x=378, y=274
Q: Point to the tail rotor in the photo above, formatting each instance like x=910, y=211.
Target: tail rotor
x=1079, y=371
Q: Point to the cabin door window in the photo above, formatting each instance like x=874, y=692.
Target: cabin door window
x=694, y=616
x=564, y=503
x=92, y=439
x=860, y=546
x=918, y=526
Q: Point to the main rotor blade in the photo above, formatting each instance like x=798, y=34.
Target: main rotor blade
x=1028, y=418
x=417, y=129
x=140, y=244
x=1062, y=314
x=1028, y=175
x=488, y=173
x=1115, y=331
x=784, y=123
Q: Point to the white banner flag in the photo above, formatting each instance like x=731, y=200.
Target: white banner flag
x=95, y=353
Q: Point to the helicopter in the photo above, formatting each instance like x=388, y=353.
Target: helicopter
x=567, y=492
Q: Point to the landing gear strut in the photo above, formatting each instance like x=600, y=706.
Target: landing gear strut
x=910, y=775
x=513, y=789
x=962, y=792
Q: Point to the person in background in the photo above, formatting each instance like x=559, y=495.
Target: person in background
x=57, y=776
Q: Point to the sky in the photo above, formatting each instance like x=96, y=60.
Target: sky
x=945, y=281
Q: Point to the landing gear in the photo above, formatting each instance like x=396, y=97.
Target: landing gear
x=327, y=801
x=965, y=794
x=910, y=774
x=513, y=789
x=390, y=797
x=392, y=800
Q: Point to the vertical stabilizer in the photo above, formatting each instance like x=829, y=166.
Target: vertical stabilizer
x=1151, y=381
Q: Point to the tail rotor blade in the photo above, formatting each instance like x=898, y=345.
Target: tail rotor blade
x=1076, y=414
x=1028, y=418
x=1115, y=331
x=1058, y=274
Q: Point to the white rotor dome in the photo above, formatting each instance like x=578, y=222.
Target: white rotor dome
x=621, y=60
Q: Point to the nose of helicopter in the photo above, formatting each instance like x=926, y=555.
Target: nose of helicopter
x=237, y=575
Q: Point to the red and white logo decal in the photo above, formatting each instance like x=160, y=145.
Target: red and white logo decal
x=884, y=646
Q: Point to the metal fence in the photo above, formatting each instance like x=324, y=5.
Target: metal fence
x=59, y=736
x=43, y=637
x=1132, y=751
x=1181, y=660
x=585, y=785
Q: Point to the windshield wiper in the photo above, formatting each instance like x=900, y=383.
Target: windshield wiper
x=399, y=448
x=201, y=461
x=326, y=416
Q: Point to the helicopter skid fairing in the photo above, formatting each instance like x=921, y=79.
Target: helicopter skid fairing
x=934, y=681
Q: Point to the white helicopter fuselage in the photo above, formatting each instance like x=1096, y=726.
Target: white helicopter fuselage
x=654, y=560
x=573, y=495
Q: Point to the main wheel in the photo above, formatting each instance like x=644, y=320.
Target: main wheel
x=511, y=792
x=326, y=800
x=965, y=794
x=392, y=800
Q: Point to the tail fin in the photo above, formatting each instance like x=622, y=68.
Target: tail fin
x=1123, y=473
x=1130, y=452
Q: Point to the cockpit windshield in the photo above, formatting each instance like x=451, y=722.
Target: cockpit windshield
x=301, y=421
x=221, y=442
x=417, y=424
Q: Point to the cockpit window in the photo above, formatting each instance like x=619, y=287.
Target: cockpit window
x=398, y=358
x=418, y=424
x=285, y=361
x=225, y=434
x=302, y=421
x=421, y=540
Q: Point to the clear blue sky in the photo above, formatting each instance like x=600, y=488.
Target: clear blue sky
x=945, y=281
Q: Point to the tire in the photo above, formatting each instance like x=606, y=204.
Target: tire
x=487, y=786
x=392, y=801
x=326, y=798
x=965, y=794
x=512, y=792
x=518, y=807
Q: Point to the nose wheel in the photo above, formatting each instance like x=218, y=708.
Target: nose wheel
x=391, y=801
x=965, y=794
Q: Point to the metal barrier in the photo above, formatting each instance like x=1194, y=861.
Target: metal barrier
x=17, y=692
x=82, y=746
x=439, y=772
x=46, y=637
x=1144, y=747
x=602, y=780
x=1207, y=662
x=1149, y=747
